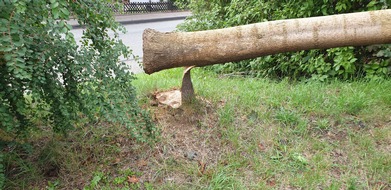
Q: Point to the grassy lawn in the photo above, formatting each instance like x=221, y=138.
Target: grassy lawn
x=240, y=133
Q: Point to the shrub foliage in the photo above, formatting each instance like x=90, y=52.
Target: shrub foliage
x=344, y=63
x=47, y=79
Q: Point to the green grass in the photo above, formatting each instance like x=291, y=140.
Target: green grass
x=315, y=135
x=250, y=133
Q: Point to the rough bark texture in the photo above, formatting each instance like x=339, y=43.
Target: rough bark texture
x=169, y=50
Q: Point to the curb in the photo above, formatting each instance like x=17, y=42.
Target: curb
x=127, y=22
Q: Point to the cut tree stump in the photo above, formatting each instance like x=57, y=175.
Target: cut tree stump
x=176, y=98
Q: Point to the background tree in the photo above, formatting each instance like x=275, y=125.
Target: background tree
x=47, y=79
x=344, y=63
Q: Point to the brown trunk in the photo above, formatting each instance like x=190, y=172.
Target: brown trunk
x=187, y=90
x=169, y=50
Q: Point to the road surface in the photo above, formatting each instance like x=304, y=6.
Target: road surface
x=133, y=38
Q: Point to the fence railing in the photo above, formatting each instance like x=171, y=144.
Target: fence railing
x=142, y=7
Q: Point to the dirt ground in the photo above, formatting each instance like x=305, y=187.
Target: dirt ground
x=189, y=139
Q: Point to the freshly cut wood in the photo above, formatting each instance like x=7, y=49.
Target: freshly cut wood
x=172, y=98
x=183, y=49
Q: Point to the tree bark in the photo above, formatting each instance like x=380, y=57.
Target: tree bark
x=182, y=49
x=187, y=89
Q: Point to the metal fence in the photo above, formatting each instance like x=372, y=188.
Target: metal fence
x=142, y=7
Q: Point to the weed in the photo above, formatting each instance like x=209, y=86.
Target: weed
x=49, y=159
x=2, y=176
x=97, y=177
x=287, y=118
x=323, y=125
x=53, y=185
x=225, y=179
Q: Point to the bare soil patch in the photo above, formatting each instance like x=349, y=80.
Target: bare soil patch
x=190, y=140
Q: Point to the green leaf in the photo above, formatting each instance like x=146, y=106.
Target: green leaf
x=6, y=48
x=371, y=4
x=55, y=13
x=54, y=5
x=64, y=30
x=7, y=57
x=65, y=12
x=61, y=24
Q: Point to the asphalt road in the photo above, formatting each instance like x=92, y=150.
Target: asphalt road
x=133, y=37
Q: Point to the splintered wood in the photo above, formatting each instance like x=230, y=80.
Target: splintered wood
x=175, y=98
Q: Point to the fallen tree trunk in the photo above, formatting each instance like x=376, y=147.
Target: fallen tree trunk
x=182, y=49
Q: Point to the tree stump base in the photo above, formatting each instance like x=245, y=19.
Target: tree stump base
x=176, y=98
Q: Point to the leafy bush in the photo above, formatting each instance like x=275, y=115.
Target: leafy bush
x=344, y=63
x=47, y=79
